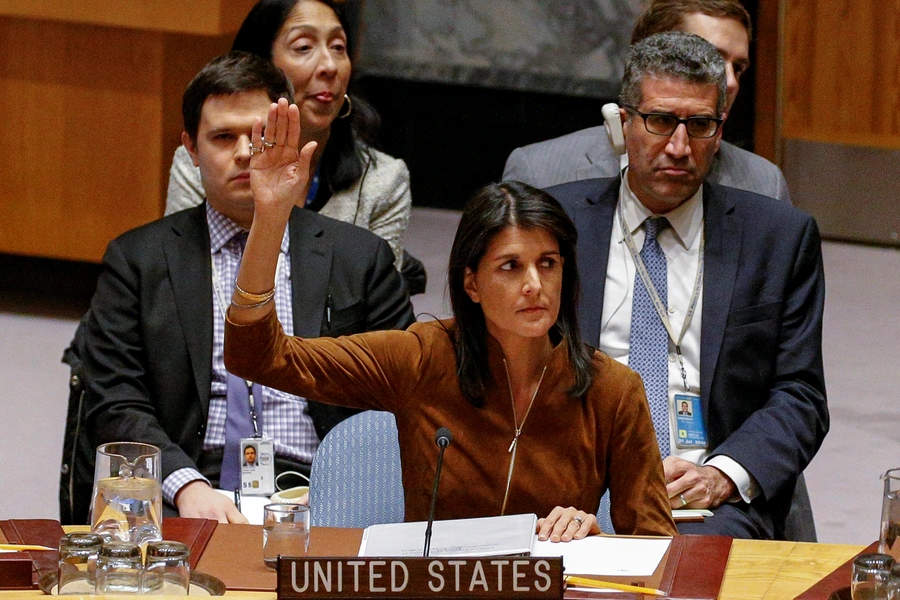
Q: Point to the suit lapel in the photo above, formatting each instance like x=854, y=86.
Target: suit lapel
x=594, y=220
x=190, y=271
x=599, y=161
x=723, y=231
x=310, y=272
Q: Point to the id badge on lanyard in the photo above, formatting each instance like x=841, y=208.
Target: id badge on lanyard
x=257, y=466
x=690, y=431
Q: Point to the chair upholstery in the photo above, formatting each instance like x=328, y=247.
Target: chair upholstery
x=76, y=478
x=356, y=476
x=799, y=526
x=603, y=518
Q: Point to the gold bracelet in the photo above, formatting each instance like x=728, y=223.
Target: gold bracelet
x=257, y=305
x=266, y=296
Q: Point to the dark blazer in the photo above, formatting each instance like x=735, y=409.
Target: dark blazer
x=761, y=378
x=148, y=339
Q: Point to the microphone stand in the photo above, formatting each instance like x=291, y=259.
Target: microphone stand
x=442, y=438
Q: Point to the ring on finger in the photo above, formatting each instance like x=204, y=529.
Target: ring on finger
x=254, y=150
x=578, y=520
x=683, y=501
x=267, y=144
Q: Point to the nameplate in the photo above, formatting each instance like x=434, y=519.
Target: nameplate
x=396, y=577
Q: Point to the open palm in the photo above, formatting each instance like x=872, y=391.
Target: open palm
x=279, y=174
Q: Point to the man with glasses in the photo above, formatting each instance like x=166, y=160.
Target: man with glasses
x=587, y=153
x=713, y=294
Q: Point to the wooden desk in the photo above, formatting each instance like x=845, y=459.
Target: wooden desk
x=757, y=570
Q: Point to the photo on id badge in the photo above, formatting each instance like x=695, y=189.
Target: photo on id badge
x=257, y=467
x=689, y=422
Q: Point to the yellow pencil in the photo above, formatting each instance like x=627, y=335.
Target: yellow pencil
x=611, y=585
x=23, y=547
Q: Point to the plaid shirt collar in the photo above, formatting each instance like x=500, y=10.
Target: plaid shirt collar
x=222, y=230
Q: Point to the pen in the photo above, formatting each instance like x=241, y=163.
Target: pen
x=23, y=547
x=237, y=498
x=328, y=311
x=596, y=583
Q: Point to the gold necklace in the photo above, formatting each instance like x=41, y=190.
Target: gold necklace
x=514, y=446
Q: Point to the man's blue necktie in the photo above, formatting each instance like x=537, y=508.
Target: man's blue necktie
x=238, y=425
x=649, y=344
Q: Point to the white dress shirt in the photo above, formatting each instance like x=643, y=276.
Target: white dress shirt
x=681, y=244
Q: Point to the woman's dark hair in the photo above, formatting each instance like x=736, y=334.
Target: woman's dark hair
x=342, y=162
x=492, y=209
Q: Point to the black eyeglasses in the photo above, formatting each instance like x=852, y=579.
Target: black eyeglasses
x=663, y=124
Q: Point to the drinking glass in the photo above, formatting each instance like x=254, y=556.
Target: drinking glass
x=167, y=570
x=894, y=585
x=889, y=538
x=127, y=499
x=119, y=568
x=285, y=531
x=871, y=576
x=78, y=563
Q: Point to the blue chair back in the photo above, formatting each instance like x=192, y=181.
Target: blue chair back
x=355, y=479
x=603, y=518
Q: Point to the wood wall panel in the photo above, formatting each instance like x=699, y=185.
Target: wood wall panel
x=765, y=71
x=92, y=115
x=199, y=17
x=75, y=176
x=842, y=72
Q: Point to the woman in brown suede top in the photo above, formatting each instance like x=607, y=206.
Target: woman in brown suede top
x=541, y=422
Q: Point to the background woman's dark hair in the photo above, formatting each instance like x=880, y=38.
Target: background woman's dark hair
x=493, y=208
x=342, y=162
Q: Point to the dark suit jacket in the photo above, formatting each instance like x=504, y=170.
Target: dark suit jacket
x=761, y=378
x=148, y=347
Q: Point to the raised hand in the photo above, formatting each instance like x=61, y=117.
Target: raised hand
x=279, y=170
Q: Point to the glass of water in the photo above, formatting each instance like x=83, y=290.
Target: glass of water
x=127, y=499
x=285, y=531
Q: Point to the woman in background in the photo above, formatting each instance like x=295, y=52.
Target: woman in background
x=349, y=180
x=541, y=422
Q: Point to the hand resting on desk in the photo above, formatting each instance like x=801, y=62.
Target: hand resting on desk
x=701, y=487
x=561, y=525
x=198, y=500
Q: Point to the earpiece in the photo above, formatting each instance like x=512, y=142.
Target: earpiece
x=613, y=121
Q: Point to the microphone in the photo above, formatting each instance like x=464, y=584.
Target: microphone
x=442, y=438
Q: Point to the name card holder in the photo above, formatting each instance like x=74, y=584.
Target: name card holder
x=401, y=577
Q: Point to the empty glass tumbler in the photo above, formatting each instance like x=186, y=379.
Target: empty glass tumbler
x=119, y=568
x=78, y=554
x=167, y=569
x=871, y=577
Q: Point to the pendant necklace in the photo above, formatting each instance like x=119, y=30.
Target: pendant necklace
x=514, y=446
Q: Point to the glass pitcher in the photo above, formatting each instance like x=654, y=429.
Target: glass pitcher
x=889, y=539
x=127, y=500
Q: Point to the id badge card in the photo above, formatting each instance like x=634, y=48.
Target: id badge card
x=257, y=466
x=689, y=427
